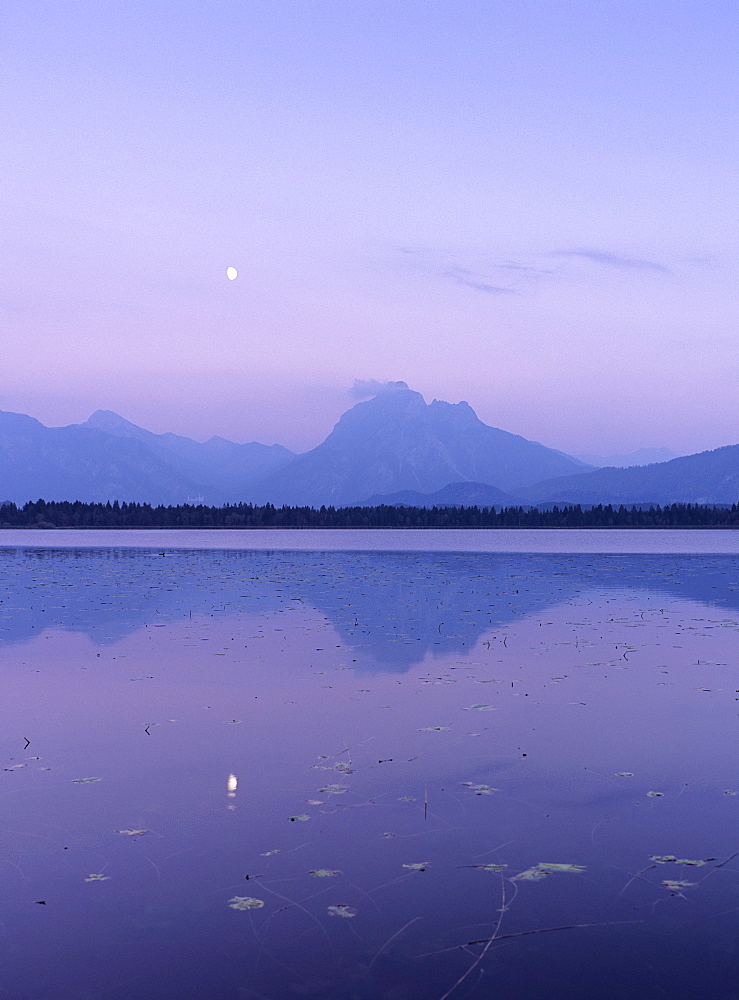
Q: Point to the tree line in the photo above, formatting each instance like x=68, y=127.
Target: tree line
x=75, y=514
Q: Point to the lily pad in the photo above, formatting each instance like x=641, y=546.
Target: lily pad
x=674, y=886
x=561, y=868
x=480, y=789
x=342, y=910
x=663, y=859
x=535, y=874
x=245, y=903
x=540, y=871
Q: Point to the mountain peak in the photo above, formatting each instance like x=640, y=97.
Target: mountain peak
x=105, y=420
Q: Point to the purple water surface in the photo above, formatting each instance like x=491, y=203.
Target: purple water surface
x=444, y=710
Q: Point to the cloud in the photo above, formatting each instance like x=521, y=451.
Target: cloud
x=611, y=259
x=460, y=275
x=482, y=272
x=364, y=388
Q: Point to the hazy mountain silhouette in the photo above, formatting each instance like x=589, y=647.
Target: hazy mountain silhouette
x=396, y=441
x=82, y=463
x=453, y=495
x=393, y=448
x=643, y=456
x=229, y=470
x=708, y=477
x=108, y=458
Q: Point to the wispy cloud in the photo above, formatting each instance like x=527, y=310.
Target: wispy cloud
x=484, y=273
x=611, y=259
x=364, y=388
x=463, y=276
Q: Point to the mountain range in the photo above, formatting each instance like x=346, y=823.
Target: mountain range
x=392, y=448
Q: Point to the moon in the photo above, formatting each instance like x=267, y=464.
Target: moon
x=231, y=273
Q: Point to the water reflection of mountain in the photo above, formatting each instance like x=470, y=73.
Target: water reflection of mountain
x=393, y=607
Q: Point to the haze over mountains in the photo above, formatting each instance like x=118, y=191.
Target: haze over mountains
x=392, y=448
x=396, y=441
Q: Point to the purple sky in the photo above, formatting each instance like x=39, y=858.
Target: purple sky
x=529, y=205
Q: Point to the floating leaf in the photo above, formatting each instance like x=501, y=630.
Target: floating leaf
x=245, y=903
x=302, y=818
x=324, y=873
x=419, y=866
x=656, y=795
x=540, y=871
x=342, y=910
x=675, y=886
x=131, y=833
x=530, y=875
x=663, y=859
x=561, y=868
x=333, y=790
x=480, y=789
x=84, y=781
x=96, y=877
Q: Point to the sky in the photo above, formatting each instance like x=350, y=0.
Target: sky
x=531, y=205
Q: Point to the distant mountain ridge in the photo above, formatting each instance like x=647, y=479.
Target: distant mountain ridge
x=643, y=456
x=396, y=441
x=452, y=495
x=391, y=448
x=227, y=469
x=109, y=458
x=705, y=478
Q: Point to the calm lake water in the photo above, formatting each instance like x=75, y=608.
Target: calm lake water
x=252, y=773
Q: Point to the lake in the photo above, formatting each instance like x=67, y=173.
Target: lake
x=360, y=765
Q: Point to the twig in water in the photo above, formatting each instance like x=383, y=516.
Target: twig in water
x=635, y=877
x=391, y=939
x=484, y=951
x=546, y=930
